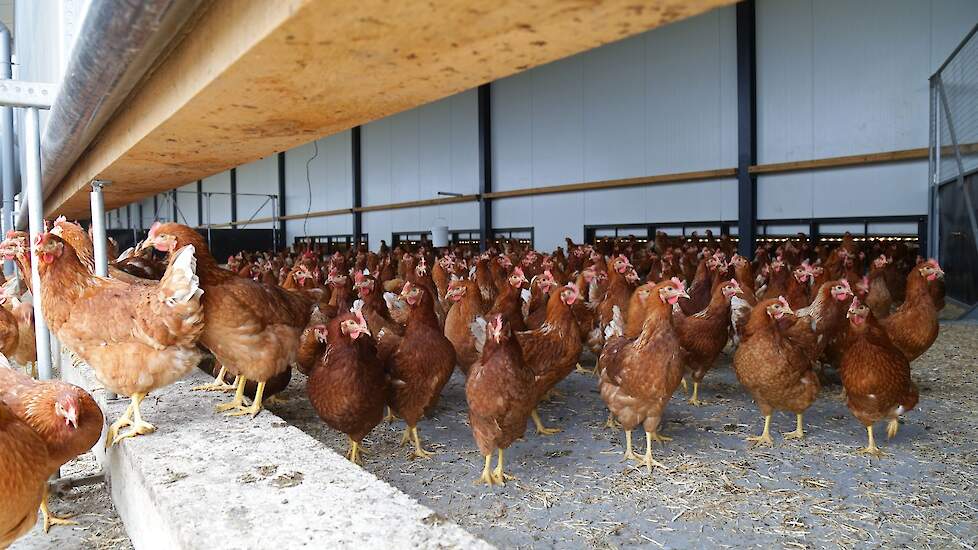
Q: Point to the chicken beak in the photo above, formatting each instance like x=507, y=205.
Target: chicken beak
x=144, y=244
x=71, y=418
x=683, y=294
x=788, y=311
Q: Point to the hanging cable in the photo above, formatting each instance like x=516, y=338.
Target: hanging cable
x=305, y=221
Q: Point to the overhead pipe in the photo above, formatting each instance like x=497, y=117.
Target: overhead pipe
x=117, y=46
x=6, y=145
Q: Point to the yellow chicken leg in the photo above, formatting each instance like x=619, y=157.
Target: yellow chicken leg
x=486, y=477
x=685, y=386
x=541, y=429
x=138, y=426
x=871, y=448
x=419, y=451
x=694, y=399
x=892, y=427
x=798, y=433
x=218, y=384
x=122, y=422
x=238, y=401
x=49, y=518
x=256, y=405
x=765, y=437
x=629, y=452
x=611, y=423
x=647, y=459
x=355, y=451
x=656, y=436
x=498, y=475
x=582, y=370
x=390, y=416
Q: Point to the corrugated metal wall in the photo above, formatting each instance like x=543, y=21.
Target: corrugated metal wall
x=834, y=78
x=414, y=155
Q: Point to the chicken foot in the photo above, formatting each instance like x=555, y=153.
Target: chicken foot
x=49, y=518
x=238, y=401
x=582, y=370
x=390, y=417
x=646, y=459
x=133, y=419
x=611, y=423
x=218, y=384
x=256, y=404
x=871, y=448
x=486, y=477
x=685, y=386
x=798, y=433
x=418, y=451
x=355, y=451
x=694, y=399
x=765, y=437
x=541, y=429
x=498, y=475
x=892, y=427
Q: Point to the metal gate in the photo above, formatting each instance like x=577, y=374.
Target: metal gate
x=954, y=169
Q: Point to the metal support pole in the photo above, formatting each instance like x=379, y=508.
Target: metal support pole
x=234, y=195
x=6, y=146
x=98, y=229
x=746, y=125
x=274, y=226
x=35, y=211
x=200, y=202
x=281, y=200
x=356, y=138
x=485, y=165
x=207, y=197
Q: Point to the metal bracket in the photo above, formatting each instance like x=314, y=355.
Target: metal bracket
x=100, y=184
x=19, y=93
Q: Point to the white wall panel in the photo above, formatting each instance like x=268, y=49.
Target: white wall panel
x=841, y=78
x=219, y=205
x=187, y=205
x=329, y=186
x=415, y=154
x=661, y=102
x=258, y=177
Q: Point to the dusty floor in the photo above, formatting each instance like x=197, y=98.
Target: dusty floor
x=573, y=490
x=99, y=527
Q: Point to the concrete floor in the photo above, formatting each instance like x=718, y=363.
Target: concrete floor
x=574, y=491
x=99, y=526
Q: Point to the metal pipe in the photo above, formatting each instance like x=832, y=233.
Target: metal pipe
x=118, y=43
x=35, y=208
x=6, y=145
x=98, y=229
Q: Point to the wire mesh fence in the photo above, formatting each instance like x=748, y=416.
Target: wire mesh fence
x=954, y=167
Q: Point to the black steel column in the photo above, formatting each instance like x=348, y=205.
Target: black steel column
x=485, y=165
x=140, y=211
x=281, y=199
x=156, y=208
x=200, y=202
x=129, y=216
x=746, y=128
x=234, y=195
x=173, y=198
x=356, y=142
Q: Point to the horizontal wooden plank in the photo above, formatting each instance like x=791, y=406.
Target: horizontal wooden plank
x=836, y=162
x=256, y=77
x=616, y=183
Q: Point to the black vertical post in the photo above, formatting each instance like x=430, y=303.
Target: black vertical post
x=746, y=128
x=356, y=142
x=485, y=165
x=140, y=212
x=156, y=208
x=173, y=199
x=922, y=238
x=281, y=200
x=200, y=202
x=129, y=216
x=234, y=195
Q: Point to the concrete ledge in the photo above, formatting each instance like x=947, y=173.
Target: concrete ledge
x=206, y=481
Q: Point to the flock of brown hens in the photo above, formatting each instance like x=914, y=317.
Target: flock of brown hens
x=383, y=332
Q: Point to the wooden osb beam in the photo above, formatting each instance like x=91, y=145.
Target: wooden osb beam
x=253, y=78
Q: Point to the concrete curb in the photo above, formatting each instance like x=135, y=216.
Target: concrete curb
x=206, y=481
